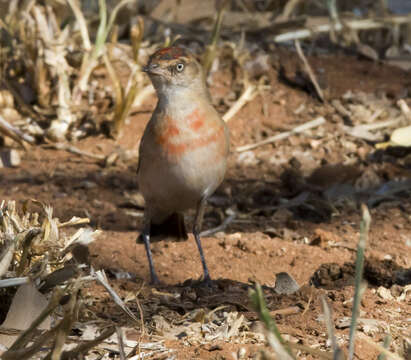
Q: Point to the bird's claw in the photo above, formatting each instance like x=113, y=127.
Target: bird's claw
x=154, y=280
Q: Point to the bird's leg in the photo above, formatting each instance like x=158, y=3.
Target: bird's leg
x=146, y=238
x=196, y=231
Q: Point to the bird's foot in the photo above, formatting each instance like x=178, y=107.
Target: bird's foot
x=206, y=284
x=154, y=280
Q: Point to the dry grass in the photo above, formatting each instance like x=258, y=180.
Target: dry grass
x=50, y=54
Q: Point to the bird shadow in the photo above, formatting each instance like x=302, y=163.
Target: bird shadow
x=108, y=197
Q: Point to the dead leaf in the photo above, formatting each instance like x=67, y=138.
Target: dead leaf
x=401, y=136
x=27, y=305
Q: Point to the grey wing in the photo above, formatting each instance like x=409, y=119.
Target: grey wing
x=147, y=130
x=139, y=152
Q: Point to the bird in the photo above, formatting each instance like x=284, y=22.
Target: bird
x=183, y=151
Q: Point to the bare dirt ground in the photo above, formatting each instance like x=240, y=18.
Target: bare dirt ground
x=313, y=239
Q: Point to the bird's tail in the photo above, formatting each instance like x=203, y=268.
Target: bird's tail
x=173, y=229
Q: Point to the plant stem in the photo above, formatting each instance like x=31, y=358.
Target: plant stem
x=359, y=268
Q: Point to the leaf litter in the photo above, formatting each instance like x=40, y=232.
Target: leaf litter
x=46, y=307
x=55, y=267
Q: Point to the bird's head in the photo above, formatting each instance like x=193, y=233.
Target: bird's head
x=174, y=68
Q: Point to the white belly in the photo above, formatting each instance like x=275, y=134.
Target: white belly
x=173, y=186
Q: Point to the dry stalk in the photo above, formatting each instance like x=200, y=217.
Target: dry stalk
x=310, y=299
x=127, y=104
x=26, y=335
x=251, y=90
x=309, y=70
x=379, y=125
x=29, y=352
x=22, y=104
x=29, y=235
x=291, y=310
x=211, y=51
x=140, y=310
x=90, y=60
x=65, y=117
x=299, y=129
x=120, y=339
x=7, y=255
x=404, y=109
x=170, y=40
x=65, y=325
x=15, y=133
x=73, y=150
x=248, y=95
x=355, y=25
x=83, y=348
x=136, y=36
x=124, y=99
x=14, y=282
x=334, y=18
x=338, y=354
x=227, y=221
x=118, y=88
x=143, y=94
x=45, y=51
x=100, y=276
x=82, y=24
x=42, y=76
x=288, y=10
x=23, y=229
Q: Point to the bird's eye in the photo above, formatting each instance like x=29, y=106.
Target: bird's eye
x=180, y=67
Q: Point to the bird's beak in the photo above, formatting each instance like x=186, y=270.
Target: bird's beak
x=152, y=68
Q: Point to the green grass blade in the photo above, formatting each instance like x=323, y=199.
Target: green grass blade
x=278, y=343
x=359, y=268
x=386, y=344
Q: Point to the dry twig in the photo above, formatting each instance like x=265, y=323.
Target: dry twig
x=309, y=70
x=249, y=94
x=363, y=24
x=338, y=354
x=220, y=227
x=86, y=346
x=14, y=132
x=120, y=339
x=100, y=276
x=404, y=109
x=72, y=149
x=288, y=10
x=299, y=129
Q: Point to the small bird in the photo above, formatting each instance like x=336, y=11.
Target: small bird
x=183, y=152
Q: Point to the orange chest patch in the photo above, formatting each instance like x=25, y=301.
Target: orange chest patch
x=195, y=120
x=177, y=140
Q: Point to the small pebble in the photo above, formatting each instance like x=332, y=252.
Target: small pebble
x=384, y=293
x=10, y=158
x=285, y=284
